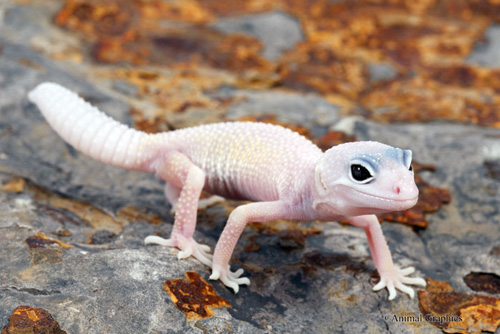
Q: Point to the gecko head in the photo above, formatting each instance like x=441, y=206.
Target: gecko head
x=361, y=178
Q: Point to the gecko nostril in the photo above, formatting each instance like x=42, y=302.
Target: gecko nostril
x=398, y=190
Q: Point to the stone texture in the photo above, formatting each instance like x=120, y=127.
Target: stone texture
x=277, y=31
x=110, y=282
x=487, y=52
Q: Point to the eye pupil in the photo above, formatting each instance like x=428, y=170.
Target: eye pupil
x=360, y=173
x=411, y=168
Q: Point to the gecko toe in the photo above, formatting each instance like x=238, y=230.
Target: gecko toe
x=403, y=288
x=414, y=281
x=406, y=271
x=392, y=291
x=184, y=254
x=215, y=275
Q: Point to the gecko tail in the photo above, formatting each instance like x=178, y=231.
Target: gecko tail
x=89, y=130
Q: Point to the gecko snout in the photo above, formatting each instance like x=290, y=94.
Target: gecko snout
x=405, y=190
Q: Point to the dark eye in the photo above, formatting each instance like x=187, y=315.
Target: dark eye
x=411, y=168
x=360, y=173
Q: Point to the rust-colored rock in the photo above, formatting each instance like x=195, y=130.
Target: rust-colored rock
x=40, y=240
x=421, y=99
x=45, y=250
x=456, y=312
x=316, y=68
x=31, y=320
x=426, y=43
x=483, y=282
x=134, y=32
x=194, y=296
x=15, y=185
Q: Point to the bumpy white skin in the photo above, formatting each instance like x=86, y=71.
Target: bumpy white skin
x=286, y=176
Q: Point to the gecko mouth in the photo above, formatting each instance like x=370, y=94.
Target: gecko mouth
x=403, y=203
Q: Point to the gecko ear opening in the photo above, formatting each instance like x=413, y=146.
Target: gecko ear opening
x=407, y=157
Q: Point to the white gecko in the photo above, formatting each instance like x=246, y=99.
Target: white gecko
x=285, y=174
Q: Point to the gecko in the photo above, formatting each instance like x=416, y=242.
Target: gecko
x=282, y=173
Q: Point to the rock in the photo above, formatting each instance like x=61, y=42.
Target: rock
x=277, y=30
x=31, y=320
x=381, y=72
x=299, y=109
x=487, y=53
x=72, y=229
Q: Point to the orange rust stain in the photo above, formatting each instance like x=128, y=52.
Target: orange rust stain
x=138, y=32
x=321, y=69
x=457, y=312
x=130, y=213
x=27, y=319
x=15, y=185
x=424, y=99
x=40, y=240
x=194, y=296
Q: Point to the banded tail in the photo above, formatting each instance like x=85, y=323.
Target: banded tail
x=89, y=130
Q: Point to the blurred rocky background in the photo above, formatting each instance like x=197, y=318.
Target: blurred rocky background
x=419, y=74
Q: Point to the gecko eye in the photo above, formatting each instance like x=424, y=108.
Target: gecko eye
x=411, y=168
x=360, y=174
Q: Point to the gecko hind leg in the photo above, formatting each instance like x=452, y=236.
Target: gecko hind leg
x=172, y=193
x=187, y=206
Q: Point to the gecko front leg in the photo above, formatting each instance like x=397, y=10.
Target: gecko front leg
x=239, y=218
x=391, y=277
x=181, y=173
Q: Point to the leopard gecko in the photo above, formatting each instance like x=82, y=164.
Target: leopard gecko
x=284, y=174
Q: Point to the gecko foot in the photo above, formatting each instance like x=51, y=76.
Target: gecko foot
x=397, y=279
x=230, y=279
x=188, y=247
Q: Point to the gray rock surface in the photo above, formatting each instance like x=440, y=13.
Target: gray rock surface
x=308, y=110
x=276, y=30
x=117, y=286
x=487, y=53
